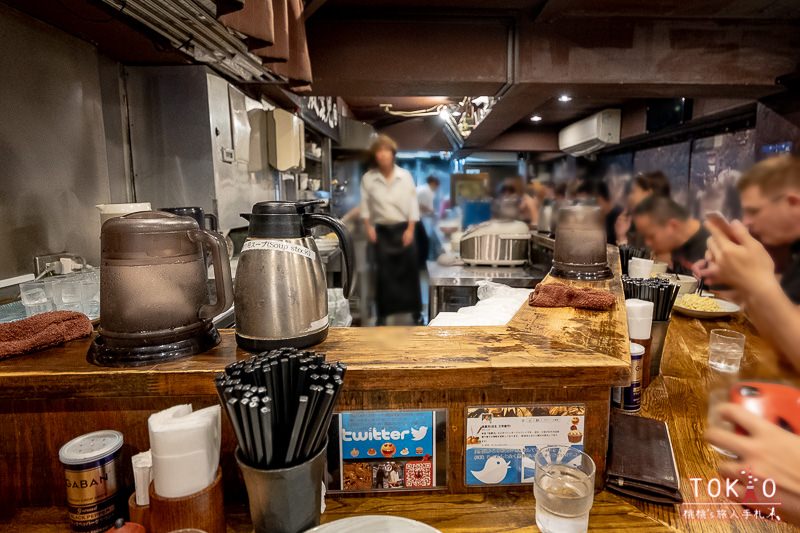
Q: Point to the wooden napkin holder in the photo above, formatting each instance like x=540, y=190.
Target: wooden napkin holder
x=139, y=514
x=202, y=510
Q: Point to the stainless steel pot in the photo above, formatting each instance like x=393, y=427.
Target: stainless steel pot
x=496, y=243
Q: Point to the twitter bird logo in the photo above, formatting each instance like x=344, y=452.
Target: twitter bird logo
x=494, y=471
x=419, y=434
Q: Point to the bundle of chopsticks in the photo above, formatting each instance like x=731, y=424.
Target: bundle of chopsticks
x=626, y=252
x=280, y=404
x=660, y=291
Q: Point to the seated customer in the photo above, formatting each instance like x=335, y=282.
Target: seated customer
x=668, y=229
x=642, y=186
x=770, y=196
x=740, y=262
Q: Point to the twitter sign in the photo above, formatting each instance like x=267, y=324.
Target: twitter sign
x=493, y=466
x=386, y=434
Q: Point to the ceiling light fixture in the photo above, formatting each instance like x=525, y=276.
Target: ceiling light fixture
x=564, y=98
x=536, y=118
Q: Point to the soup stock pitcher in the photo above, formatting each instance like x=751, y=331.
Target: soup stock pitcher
x=280, y=294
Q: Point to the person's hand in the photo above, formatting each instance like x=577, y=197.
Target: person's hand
x=372, y=234
x=408, y=236
x=766, y=452
x=622, y=226
x=743, y=265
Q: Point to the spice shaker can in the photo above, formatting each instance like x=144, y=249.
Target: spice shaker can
x=630, y=398
x=91, y=463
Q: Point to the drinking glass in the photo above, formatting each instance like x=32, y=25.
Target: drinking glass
x=725, y=350
x=564, y=489
x=90, y=294
x=67, y=293
x=34, y=298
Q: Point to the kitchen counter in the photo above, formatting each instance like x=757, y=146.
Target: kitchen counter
x=454, y=286
x=541, y=355
x=469, y=276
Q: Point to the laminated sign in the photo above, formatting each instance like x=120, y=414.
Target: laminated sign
x=501, y=441
x=388, y=450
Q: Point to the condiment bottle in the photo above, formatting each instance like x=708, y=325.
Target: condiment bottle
x=640, y=324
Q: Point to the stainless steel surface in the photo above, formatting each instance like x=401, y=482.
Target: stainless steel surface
x=354, y=134
x=494, y=250
x=469, y=276
x=280, y=294
x=54, y=162
x=453, y=287
x=191, y=140
x=192, y=27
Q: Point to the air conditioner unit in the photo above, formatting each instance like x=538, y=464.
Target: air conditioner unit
x=591, y=134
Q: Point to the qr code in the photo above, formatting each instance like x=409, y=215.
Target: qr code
x=419, y=474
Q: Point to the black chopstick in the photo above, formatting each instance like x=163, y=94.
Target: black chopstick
x=280, y=404
x=291, y=449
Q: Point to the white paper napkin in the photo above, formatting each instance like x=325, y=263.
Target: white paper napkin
x=185, y=449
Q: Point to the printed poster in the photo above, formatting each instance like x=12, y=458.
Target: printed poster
x=388, y=451
x=502, y=441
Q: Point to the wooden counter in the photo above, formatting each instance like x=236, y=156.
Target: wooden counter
x=543, y=354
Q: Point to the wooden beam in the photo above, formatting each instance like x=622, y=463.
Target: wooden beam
x=408, y=58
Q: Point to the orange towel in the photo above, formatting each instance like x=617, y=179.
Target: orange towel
x=42, y=331
x=560, y=295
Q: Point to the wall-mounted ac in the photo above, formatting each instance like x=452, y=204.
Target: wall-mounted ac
x=591, y=134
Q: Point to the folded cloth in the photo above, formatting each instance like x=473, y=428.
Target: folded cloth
x=42, y=331
x=560, y=295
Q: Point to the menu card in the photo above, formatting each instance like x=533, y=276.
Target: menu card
x=501, y=441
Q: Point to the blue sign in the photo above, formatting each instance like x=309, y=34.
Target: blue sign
x=386, y=434
x=493, y=466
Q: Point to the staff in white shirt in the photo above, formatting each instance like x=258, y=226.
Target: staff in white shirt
x=390, y=212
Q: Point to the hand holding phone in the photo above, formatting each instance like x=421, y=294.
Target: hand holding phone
x=719, y=221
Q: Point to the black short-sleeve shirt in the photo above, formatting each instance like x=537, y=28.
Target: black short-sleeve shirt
x=790, y=280
x=690, y=252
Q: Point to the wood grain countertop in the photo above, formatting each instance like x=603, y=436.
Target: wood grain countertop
x=678, y=396
x=560, y=346
x=538, y=346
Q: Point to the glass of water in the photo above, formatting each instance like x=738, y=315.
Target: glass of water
x=725, y=350
x=564, y=489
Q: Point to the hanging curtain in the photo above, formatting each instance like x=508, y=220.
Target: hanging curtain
x=255, y=21
x=279, y=50
x=297, y=69
x=228, y=6
x=283, y=48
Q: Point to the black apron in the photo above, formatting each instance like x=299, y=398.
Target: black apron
x=397, y=276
